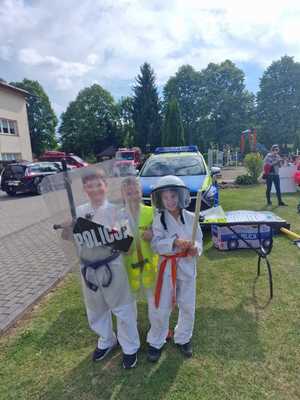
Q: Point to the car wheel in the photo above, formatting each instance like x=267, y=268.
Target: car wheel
x=233, y=244
x=37, y=187
x=267, y=244
x=11, y=191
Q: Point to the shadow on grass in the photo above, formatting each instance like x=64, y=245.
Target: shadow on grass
x=258, y=303
x=224, y=334
x=214, y=254
x=107, y=380
x=68, y=331
x=228, y=334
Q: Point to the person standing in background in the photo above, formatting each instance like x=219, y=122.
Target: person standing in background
x=272, y=163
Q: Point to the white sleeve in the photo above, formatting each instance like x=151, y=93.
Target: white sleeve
x=161, y=243
x=199, y=240
x=82, y=210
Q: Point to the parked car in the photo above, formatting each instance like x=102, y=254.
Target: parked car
x=25, y=177
x=70, y=158
x=187, y=163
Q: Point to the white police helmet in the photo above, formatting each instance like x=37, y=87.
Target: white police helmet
x=170, y=182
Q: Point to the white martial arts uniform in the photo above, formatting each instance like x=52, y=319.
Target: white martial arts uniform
x=117, y=297
x=163, y=243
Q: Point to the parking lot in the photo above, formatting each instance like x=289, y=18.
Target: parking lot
x=20, y=211
x=32, y=260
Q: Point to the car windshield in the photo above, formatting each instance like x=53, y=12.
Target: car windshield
x=37, y=168
x=17, y=170
x=179, y=166
x=125, y=155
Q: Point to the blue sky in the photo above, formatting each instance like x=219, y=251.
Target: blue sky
x=67, y=45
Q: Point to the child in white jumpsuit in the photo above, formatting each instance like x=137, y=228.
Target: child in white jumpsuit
x=104, y=293
x=176, y=284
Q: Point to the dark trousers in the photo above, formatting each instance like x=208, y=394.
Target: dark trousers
x=270, y=179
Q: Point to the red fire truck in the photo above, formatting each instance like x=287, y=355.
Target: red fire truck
x=132, y=156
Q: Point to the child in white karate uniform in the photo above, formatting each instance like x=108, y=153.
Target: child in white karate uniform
x=176, y=283
x=106, y=288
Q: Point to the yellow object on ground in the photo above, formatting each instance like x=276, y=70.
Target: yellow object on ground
x=290, y=234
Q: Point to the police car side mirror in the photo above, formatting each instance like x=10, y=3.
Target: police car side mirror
x=215, y=171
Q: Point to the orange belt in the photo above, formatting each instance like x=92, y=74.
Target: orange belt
x=173, y=258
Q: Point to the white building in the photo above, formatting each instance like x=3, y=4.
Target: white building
x=14, y=132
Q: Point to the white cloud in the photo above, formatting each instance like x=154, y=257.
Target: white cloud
x=68, y=45
x=92, y=59
x=30, y=56
x=6, y=53
x=64, y=71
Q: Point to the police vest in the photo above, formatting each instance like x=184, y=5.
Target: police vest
x=142, y=275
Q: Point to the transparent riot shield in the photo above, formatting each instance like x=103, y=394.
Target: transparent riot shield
x=87, y=211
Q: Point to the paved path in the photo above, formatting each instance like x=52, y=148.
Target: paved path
x=31, y=257
x=229, y=174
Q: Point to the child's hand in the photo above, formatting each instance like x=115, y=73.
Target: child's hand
x=147, y=235
x=182, y=244
x=66, y=224
x=67, y=233
x=67, y=229
x=193, y=251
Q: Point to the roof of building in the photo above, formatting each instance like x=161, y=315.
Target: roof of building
x=13, y=88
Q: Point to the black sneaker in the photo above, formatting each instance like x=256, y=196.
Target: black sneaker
x=129, y=360
x=153, y=354
x=269, y=203
x=99, y=354
x=282, y=204
x=186, y=349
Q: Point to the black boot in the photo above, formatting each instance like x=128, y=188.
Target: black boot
x=281, y=203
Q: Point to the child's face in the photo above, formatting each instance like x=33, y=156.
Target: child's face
x=170, y=200
x=96, y=190
x=132, y=192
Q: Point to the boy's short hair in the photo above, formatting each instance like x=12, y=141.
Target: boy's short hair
x=93, y=173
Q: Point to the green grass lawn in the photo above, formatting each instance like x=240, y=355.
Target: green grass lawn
x=244, y=346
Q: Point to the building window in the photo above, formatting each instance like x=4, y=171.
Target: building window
x=10, y=156
x=12, y=127
x=8, y=127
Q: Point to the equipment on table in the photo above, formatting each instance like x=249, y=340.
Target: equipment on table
x=245, y=229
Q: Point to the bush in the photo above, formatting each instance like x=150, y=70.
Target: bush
x=91, y=159
x=245, y=180
x=253, y=162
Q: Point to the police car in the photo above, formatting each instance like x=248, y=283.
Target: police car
x=187, y=163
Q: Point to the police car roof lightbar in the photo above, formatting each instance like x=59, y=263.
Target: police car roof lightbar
x=179, y=149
